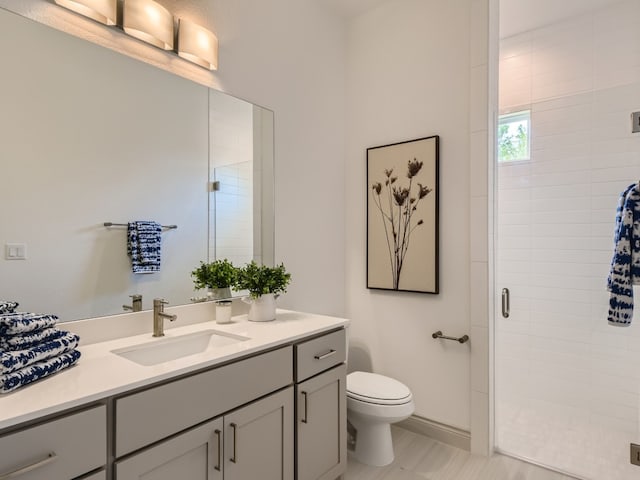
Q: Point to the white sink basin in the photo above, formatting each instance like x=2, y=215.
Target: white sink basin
x=167, y=349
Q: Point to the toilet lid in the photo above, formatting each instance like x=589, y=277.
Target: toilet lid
x=374, y=388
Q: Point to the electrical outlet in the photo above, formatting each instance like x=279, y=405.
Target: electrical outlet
x=635, y=454
x=635, y=122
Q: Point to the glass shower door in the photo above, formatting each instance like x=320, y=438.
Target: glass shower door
x=567, y=383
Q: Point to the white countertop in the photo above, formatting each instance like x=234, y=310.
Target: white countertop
x=100, y=373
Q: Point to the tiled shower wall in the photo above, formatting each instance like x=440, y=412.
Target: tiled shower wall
x=567, y=383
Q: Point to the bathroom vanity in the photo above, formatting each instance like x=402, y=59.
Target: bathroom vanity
x=269, y=405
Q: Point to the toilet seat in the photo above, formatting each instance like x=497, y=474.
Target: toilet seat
x=377, y=389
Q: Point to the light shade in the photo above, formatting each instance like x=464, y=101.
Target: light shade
x=103, y=11
x=149, y=22
x=197, y=44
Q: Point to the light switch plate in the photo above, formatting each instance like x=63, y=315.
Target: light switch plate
x=635, y=122
x=635, y=454
x=15, y=251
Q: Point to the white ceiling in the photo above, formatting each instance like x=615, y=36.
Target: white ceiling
x=518, y=16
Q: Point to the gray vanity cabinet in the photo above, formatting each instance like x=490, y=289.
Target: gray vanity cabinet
x=255, y=441
x=258, y=439
x=59, y=449
x=321, y=407
x=193, y=455
x=321, y=425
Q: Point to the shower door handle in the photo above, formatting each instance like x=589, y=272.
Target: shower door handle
x=506, y=303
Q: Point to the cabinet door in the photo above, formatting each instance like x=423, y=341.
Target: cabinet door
x=322, y=425
x=258, y=440
x=193, y=455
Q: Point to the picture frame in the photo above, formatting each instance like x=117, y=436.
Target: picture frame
x=403, y=216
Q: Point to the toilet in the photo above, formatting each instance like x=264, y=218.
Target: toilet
x=374, y=402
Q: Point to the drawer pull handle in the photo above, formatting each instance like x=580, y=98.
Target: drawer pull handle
x=234, y=458
x=218, y=435
x=51, y=457
x=325, y=355
x=306, y=407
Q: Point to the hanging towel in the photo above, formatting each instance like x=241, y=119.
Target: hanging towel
x=13, y=323
x=38, y=370
x=15, y=360
x=143, y=246
x=7, y=307
x=625, y=264
x=23, y=341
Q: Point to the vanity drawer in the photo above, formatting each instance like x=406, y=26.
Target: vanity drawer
x=156, y=413
x=63, y=448
x=321, y=353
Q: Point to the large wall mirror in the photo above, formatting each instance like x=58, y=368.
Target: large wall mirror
x=89, y=136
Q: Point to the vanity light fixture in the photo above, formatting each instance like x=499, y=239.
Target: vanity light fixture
x=148, y=21
x=197, y=44
x=152, y=23
x=103, y=11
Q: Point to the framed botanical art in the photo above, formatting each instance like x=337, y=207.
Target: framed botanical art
x=402, y=216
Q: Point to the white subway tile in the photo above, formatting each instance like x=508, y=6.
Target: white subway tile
x=480, y=423
x=479, y=294
x=478, y=170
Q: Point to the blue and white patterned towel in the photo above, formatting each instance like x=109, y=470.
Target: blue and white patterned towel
x=22, y=341
x=143, y=246
x=13, y=323
x=12, y=361
x=625, y=265
x=8, y=307
x=24, y=376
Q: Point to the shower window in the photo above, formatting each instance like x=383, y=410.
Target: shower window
x=514, y=136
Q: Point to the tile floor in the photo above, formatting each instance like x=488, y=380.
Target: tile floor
x=422, y=458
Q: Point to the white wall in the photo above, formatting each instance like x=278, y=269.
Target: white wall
x=561, y=367
x=408, y=76
x=288, y=55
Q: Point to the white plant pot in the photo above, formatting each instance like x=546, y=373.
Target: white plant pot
x=263, y=308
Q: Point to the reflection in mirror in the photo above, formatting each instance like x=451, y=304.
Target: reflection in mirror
x=89, y=136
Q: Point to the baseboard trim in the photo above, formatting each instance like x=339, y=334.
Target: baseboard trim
x=438, y=431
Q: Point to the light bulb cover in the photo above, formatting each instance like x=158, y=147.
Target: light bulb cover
x=148, y=21
x=103, y=11
x=197, y=44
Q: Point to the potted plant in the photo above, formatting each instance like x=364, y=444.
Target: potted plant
x=264, y=284
x=218, y=276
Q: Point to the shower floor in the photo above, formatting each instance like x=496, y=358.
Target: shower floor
x=572, y=442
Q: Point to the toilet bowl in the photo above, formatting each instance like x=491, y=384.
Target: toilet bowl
x=374, y=402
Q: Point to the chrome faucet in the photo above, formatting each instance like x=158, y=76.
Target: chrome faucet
x=159, y=316
x=136, y=303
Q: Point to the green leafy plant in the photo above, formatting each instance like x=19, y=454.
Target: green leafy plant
x=218, y=274
x=261, y=279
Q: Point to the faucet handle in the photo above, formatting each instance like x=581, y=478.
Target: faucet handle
x=160, y=301
x=136, y=297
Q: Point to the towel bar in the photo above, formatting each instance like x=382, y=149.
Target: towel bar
x=111, y=224
x=462, y=339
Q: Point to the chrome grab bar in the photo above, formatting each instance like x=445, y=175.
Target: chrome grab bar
x=462, y=339
x=51, y=457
